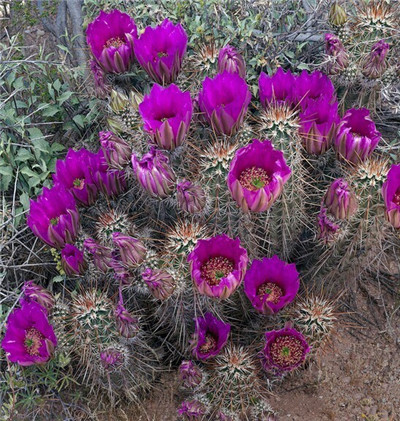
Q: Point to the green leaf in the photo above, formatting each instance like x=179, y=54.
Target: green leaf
x=50, y=111
x=64, y=97
x=35, y=134
x=41, y=145
x=79, y=120
x=24, y=200
x=24, y=155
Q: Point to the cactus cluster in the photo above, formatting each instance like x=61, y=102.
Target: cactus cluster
x=195, y=230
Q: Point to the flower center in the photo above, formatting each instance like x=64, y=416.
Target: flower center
x=396, y=198
x=79, y=183
x=33, y=341
x=215, y=269
x=162, y=54
x=286, y=351
x=115, y=42
x=54, y=221
x=254, y=178
x=209, y=344
x=269, y=292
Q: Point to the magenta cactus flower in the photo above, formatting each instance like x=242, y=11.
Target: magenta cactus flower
x=109, y=181
x=29, y=337
x=127, y=325
x=160, y=51
x=73, y=260
x=190, y=374
x=211, y=335
x=132, y=251
x=328, y=230
x=277, y=88
x=271, y=284
x=338, y=56
x=74, y=174
x=224, y=101
x=218, y=266
x=121, y=271
x=318, y=125
x=257, y=175
x=154, y=173
x=191, y=410
x=160, y=283
x=191, y=197
x=284, y=350
x=116, y=151
x=375, y=64
x=231, y=61
x=111, y=39
x=53, y=217
x=34, y=292
x=101, y=255
x=356, y=136
x=391, y=195
x=313, y=86
x=340, y=201
x=166, y=113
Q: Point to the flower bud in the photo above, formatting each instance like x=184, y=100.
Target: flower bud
x=72, y=260
x=102, y=89
x=191, y=410
x=189, y=374
x=120, y=271
x=191, y=197
x=337, y=15
x=154, y=173
x=375, y=64
x=37, y=293
x=231, y=61
x=338, y=57
x=391, y=196
x=340, y=200
x=160, y=283
x=127, y=325
x=116, y=151
x=328, y=230
x=132, y=251
x=119, y=102
x=101, y=255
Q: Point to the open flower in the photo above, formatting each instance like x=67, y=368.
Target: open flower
x=375, y=64
x=284, y=350
x=357, y=136
x=224, y=101
x=53, y=217
x=74, y=174
x=271, y=284
x=318, y=124
x=111, y=39
x=391, y=195
x=190, y=197
x=257, y=175
x=116, y=151
x=313, y=87
x=231, y=61
x=160, y=51
x=29, y=338
x=340, y=200
x=337, y=54
x=72, y=260
x=211, y=334
x=154, y=173
x=218, y=265
x=166, y=114
x=37, y=293
x=276, y=88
